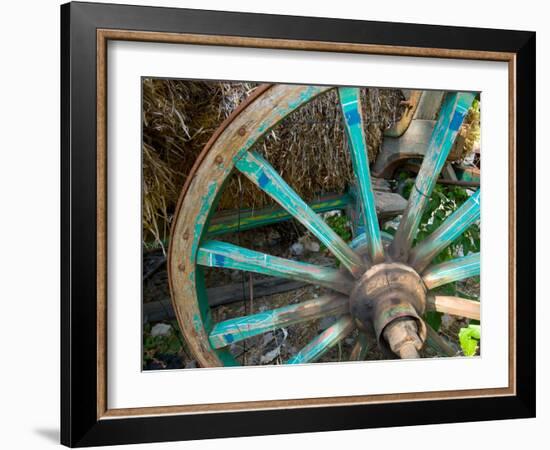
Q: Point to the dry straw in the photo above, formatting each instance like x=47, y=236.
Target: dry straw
x=308, y=148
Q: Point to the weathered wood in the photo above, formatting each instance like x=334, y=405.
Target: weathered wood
x=412, y=100
x=468, y=173
x=448, y=172
x=261, y=173
x=235, y=292
x=388, y=205
x=230, y=221
x=450, y=271
x=466, y=184
x=240, y=328
x=453, y=226
x=429, y=105
x=240, y=132
x=360, y=349
x=436, y=342
x=318, y=346
x=455, y=306
x=395, y=151
x=379, y=184
x=355, y=131
x=361, y=240
x=453, y=110
x=222, y=254
x=223, y=295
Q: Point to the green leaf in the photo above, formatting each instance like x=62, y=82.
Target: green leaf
x=434, y=319
x=469, y=339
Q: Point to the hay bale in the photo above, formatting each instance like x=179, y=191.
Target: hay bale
x=308, y=148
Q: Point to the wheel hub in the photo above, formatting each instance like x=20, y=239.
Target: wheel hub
x=389, y=300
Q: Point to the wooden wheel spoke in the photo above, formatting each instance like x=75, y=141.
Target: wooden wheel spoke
x=353, y=118
x=324, y=342
x=454, y=270
x=360, y=349
x=452, y=113
x=450, y=229
x=455, y=306
x=222, y=254
x=240, y=328
x=261, y=173
x=362, y=240
x=436, y=342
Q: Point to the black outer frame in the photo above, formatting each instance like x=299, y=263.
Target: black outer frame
x=79, y=423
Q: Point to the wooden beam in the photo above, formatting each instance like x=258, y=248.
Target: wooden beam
x=233, y=220
x=455, y=306
x=223, y=295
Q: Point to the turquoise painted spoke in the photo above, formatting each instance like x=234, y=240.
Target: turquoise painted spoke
x=361, y=240
x=453, y=226
x=353, y=119
x=240, y=328
x=261, y=173
x=222, y=254
x=452, y=113
x=436, y=342
x=360, y=349
x=454, y=270
x=324, y=342
x=455, y=306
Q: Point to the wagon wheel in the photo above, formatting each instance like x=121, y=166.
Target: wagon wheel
x=382, y=287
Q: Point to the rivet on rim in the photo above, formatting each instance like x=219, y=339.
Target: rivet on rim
x=242, y=131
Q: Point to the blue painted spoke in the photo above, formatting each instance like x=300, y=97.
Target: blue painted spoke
x=452, y=113
x=360, y=349
x=235, y=330
x=450, y=271
x=353, y=119
x=453, y=226
x=437, y=343
x=261, y=173
x=361, y=240
x=324, y=342
x=222, y=254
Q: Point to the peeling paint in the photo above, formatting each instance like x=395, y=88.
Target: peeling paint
x=235, y=257
x=441, y=142
x=257, y=170
x=353, y=121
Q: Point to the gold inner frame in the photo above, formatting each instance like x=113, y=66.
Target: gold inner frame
x=103, y=36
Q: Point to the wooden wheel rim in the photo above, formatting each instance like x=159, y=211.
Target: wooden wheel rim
x=239, y=132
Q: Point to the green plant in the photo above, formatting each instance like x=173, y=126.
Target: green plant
x=341, y=225
x=469, y=339
x=154, y=346
x=443, y=202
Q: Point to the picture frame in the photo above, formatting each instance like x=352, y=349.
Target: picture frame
x=86, y=29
